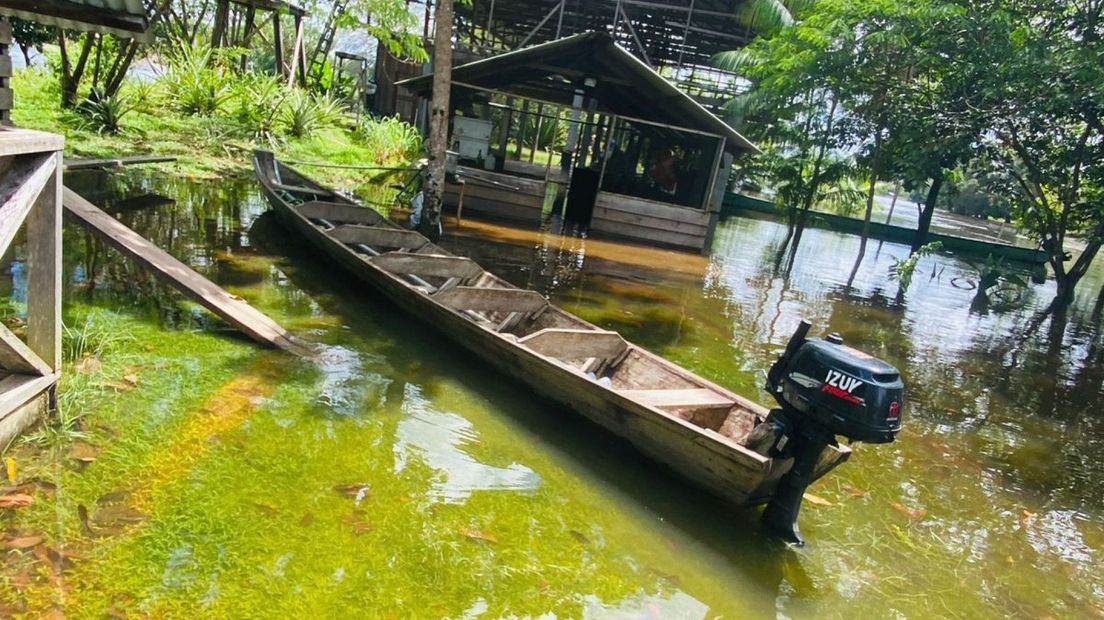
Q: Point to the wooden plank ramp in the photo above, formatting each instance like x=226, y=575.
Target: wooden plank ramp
x=231, y=308
x=115, y=162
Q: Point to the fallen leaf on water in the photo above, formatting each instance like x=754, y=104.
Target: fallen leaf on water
x=88, y=364
x=914, y=514
x=265, y=509
x=21, y=580
x=113, y=497
x=118, y=515
x=477, y=535
x=816, y=500
x=13, y=473
x=53, y=558
x=24, y=542
x=307, y=519
x=131, y=380
x=83, y=452
x=356, y=491
x=854, y=491
x=357, y=521
x=16, y=500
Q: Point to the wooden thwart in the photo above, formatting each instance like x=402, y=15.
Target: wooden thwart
x=339, y=213
x=575, y=343
x=678, y=398
x=378, y=237
x=175, y=273
x=437, y=265
x=481, y=299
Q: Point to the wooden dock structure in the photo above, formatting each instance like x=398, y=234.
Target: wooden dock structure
x=231, y=308
x=30, y=185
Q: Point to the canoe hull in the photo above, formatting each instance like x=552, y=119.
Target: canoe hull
x=710, y=461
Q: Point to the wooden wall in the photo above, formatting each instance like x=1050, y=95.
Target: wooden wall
x=498, y=196
x=650, y=222
x=5, y=71
x=390, y=99
x=30, y=199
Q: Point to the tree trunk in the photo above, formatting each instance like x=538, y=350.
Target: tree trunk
x=434, y=186
x=924, y=223
x=222, y=16
x=866, y=221
x=71, y=75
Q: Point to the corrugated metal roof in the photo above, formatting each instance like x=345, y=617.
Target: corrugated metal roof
x=124, y=18
x=625, y=85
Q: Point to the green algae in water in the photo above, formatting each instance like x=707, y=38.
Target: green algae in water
x=478, y=500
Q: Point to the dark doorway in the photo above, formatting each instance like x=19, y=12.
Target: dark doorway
x=581, y=195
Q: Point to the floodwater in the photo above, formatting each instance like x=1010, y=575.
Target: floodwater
x=396, y=477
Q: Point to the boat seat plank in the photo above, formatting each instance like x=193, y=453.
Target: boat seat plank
x=377, y=237
x=338, y=213
x=437, y=265
x=299, y=189
x=695, y=397
x=482, y=299
x=575, y=343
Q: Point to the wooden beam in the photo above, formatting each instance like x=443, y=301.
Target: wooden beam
x=44, y=270
x=15, y=356
x=436, y=265
x=178, y=275
x=18, y=390
x=481, y=299
x=575, y=343
x=19, y=190
x=378, y=237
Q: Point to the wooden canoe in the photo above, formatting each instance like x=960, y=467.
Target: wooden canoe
x=675, y=417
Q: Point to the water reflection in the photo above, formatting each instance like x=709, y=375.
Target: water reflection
x=989, y=505
x=440, y=439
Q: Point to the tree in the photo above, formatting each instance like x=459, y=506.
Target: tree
x=30, y=35
x=434, y=186
x=1045, y=93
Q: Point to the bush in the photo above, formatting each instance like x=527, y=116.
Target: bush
x=391, y=139
x=198, y=84
x=304, y=114
x=102, y=113
x=257, y=102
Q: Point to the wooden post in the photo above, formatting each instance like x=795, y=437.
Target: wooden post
x=5, y=71
x=278, y=43
x=29, y=198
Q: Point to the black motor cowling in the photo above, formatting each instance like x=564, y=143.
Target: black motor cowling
x=847, y=391
x=824, y=389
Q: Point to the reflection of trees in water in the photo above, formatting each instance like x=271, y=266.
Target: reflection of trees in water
x=201, y=222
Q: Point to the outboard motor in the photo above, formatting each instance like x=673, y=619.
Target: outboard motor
x=824, y=389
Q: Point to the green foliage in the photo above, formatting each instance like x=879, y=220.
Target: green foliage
x=255, y=105
x=103, y=112
x=304, y=113
x=903, y=269
x=198, y=84
x=390, y=138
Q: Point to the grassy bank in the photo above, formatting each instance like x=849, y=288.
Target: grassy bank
x=215, y=137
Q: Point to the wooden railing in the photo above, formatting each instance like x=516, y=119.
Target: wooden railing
x=30, y=199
